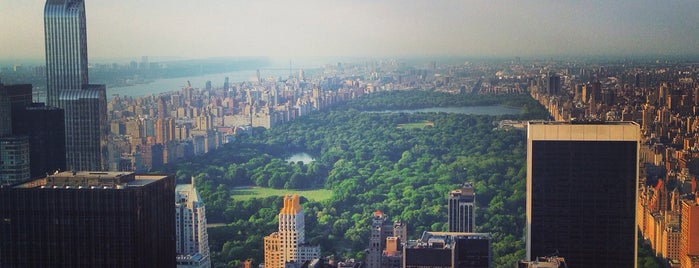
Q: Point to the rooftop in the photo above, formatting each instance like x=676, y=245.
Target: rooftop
x=91, y=180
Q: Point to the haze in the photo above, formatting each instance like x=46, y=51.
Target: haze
x=212, y=28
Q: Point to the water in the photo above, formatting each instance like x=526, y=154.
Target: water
x=199, y=81
x=475, y=110
x=303, y=157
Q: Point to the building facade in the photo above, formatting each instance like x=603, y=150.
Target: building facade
x=689, y=239
x=89, y=219
x=192, y=237
x=287, y=246
x=462, y=205
x=448, y=249
x=14, y=159
x=68, y=86
x=581, y=192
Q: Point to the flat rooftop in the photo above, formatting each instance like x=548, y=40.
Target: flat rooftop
x=92, y=180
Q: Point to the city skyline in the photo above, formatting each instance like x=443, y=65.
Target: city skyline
x=364, y=28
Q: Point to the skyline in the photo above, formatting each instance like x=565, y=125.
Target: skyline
x=129, y=29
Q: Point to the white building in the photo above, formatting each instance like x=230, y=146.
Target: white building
x=192, y=239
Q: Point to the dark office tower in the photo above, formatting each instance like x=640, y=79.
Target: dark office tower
x=462, y=204
x=554, y=84
x=68, y=87
x=89, y=219
x=14, y=159
x=448, y=249
x=45, y=128
x=66, y=47
x=581, y=192
x=5, y=113
x=85, y=123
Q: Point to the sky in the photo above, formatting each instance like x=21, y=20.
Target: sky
x=129, y=29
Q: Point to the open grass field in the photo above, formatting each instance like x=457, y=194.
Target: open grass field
x=246, y=193
x=415, y=125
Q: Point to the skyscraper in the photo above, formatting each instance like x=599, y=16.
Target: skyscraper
x=68, y=86
x=288, y=244
x=66, y=47
x=192, y=238
x=581, y=192
x=89, y=219
x=461, y=209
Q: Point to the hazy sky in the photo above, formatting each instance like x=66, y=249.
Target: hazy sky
x=293, y=28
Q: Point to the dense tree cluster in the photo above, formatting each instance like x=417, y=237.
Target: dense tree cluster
x=371, y=164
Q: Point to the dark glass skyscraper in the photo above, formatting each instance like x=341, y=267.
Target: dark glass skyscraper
x=68, y=86
x=89, y=219
x=581, y=192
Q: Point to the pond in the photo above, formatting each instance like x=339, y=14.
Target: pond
x=303, y=157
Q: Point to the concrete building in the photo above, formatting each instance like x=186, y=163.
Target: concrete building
x=462, y=205
x=287, y=246
x=192, y=237
x=89, y=219
x=581, y=192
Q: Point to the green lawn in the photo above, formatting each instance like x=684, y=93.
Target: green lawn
x=415, y=125
x=246, y=193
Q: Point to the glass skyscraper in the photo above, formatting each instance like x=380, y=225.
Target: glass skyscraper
x=68, y=86
x=581, y=192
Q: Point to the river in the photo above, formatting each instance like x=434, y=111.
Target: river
x=199, y=81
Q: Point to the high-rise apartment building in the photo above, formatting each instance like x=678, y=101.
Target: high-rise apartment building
x=288, y=244
x=581, y=192
x=689, y=238
x=192, y=238
x=462, y=204
x=89, y=219
x=68, y=86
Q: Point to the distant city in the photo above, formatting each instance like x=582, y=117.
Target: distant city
x=91, y=179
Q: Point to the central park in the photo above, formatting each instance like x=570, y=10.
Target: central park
x=366, y=159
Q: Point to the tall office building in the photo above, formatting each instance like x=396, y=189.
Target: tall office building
x=68, y=86
x=14, y=159
x=66, y=47
x=462, y=204
x=448, y=249
x=89, y=219
x=288, y=244
x=581, y=192
x=192, y=238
